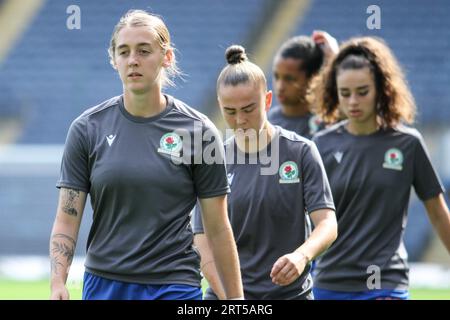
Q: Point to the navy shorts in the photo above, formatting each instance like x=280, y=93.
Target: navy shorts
x=99, y=288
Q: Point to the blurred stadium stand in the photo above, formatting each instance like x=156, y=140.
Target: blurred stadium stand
x=417, y=31
x=57, y=73
x=53, y=74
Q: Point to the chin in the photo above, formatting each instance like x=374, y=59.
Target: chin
x=138, y=90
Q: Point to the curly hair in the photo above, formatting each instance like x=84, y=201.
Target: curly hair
x=394, y=101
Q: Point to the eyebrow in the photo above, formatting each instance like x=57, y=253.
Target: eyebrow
x=139, y=45
x=358, y=88
x=246, y=107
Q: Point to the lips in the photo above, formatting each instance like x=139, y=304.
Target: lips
x=355, y=113
x=135, y=74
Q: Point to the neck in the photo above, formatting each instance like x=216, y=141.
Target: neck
x=360, y=129
x=144, y=105
x=299, y=110
x=254, y=144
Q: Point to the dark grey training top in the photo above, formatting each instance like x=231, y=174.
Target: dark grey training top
x=141, y=194
x=305, y=125
x=267, y=212
x=371, y=178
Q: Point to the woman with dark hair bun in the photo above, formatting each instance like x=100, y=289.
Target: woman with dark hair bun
x=276, y=179
x=296, y=70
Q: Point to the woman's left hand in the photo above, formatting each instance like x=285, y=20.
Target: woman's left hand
x=288, y=268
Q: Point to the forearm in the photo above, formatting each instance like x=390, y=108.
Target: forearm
x=323, y=235
x=226, y=260
x=211, y=274
x=62, y=248
x=208, y=266
x=65, y=233
x=440, y=218
x=442, y=227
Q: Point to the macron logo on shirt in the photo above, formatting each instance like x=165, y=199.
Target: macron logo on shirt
x=230, y=177
x=110, y=139
x=338, y=156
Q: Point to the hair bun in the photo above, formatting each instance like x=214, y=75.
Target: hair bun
x=235, y=54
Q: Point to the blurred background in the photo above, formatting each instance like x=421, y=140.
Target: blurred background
x=52, y=68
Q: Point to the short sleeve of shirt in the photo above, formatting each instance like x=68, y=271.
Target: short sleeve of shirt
x=210, y=175
x=317, y=192
x=196, y=220
x=426, y=181
x=74, y=171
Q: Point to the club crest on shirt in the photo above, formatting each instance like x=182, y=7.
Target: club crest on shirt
x=393, y=159
x=289, y=172
x=170, y=144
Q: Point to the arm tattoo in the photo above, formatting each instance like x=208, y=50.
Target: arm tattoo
x=62, y=246
x=69, y=199
x=54, y=263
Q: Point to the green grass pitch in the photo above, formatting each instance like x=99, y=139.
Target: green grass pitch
x=39, y=290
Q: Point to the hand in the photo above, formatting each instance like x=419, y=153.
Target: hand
x=327, y=43
x=288, y=268
x=59, y=292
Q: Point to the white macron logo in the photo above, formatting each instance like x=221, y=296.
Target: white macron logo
x=338, y=156
x=110, y=139
x=230, y=177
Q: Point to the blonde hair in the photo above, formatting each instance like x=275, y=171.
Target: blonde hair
x=141, y=18
x=240, y=70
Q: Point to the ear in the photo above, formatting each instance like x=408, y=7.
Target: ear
x=269, y=96
x=168, y=58
x=113, y=64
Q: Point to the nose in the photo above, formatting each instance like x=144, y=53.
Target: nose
x=353, y=100
x=132, y=59
x=241, y=119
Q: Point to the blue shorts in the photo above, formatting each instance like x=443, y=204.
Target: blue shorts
x=98, y=288
x=376, y=294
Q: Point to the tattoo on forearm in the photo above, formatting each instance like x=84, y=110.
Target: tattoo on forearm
x=54, y=263
x=62, y=246
x=69, y=199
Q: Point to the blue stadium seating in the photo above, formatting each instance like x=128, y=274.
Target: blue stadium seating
x=56, y=73
x=417, y=31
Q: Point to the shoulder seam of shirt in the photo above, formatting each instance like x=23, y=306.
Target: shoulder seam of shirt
x=100, y=107
x=294, y=137
x=200, y=115
x=409, y=131
x=331, y=129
